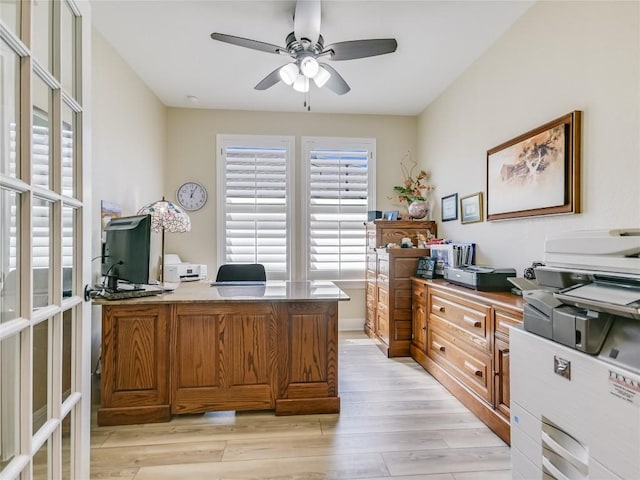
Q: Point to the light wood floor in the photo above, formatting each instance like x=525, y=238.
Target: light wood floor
x=396, y=422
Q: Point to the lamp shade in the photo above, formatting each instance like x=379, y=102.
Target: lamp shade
x=289, y=73
x=166, y=216
x=321, y=77
x=301, y=84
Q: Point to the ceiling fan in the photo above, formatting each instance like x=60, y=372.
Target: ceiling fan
x=306, y=47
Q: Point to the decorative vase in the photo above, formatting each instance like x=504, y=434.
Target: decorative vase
x=418, y=209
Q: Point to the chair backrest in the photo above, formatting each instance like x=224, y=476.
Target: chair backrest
x=241, y=272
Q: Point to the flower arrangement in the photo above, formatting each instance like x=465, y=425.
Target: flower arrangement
x=414, y=188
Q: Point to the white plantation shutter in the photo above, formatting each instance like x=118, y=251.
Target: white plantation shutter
x=338, y=195
x=255, y=181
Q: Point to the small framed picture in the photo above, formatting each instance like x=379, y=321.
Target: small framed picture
x=390, y=215
x=471, y=208
x=450, y=207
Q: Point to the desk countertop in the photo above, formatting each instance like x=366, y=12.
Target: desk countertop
x=272, y=291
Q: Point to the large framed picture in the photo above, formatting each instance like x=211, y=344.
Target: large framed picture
x=471, y=208
x=537, y=173
x=450, y=207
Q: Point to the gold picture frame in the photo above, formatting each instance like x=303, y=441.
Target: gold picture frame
x=471, y=208
x=537, y=173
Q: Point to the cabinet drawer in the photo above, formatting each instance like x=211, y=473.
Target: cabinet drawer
x=457, y=335
x=503, y=320
x=469, y=316
x=382, y=295
x=472, y=370
x=402, y=299
x=371, y=262
x=419, y=292
x=371, y=296
x=382, y=327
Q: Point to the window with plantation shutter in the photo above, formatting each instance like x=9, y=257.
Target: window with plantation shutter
x=338, y=193
x=255, y=206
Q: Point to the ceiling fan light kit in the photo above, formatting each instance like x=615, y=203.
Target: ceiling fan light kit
x=305, y=46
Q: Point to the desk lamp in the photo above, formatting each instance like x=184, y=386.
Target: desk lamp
x=166, y=216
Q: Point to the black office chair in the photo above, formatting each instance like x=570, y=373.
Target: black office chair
x=241, y=272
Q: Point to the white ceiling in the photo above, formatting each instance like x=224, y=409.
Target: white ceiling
x=167, y=43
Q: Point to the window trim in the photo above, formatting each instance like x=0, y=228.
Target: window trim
x=307, y=144
x=280, y=141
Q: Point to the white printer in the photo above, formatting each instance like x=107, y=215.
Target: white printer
x=178, y=271
x=575, y=366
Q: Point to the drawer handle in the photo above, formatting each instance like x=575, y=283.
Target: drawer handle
x=472, y=369
x=437, y=346
x=472, y=321
x=439, y=308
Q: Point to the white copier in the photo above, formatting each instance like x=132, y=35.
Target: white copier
x=575, y=362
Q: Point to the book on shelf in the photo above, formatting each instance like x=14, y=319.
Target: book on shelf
x=453, y=255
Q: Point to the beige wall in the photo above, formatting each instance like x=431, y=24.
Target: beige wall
x=191, y=155
x=559, y=57
x=129, y=138
x=128, y=147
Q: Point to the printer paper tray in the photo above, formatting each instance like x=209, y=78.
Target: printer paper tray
x=617, y=300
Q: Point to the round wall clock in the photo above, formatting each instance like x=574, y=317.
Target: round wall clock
x=192, y=196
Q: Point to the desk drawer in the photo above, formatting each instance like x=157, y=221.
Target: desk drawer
x=467, y=315
x=472, y=370
x=503, y=320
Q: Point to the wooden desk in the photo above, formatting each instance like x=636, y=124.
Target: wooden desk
x=203, y=348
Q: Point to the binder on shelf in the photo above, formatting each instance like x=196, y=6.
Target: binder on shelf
x=453, y=255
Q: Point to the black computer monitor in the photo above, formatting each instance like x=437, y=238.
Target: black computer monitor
x=126, y=251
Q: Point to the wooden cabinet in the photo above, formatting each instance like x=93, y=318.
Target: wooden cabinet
x=135, y=360
x=388, y=314
x=467, y=345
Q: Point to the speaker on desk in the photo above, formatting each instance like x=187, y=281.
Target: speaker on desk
x=373, y=215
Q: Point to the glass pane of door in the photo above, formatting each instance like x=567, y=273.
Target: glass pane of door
x=67, y=444
x=68, y=150
x=68, y=251
x=10, y=15
x=41, y=383
x=67, y=49
x=9, y=251
x=67, y=357
x=42, y=214
x=9, y=399
x=41, y=462
x=10, y=110
x=41, y=142
x=43, y=33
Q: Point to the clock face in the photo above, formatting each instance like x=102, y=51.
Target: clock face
x=192, y=196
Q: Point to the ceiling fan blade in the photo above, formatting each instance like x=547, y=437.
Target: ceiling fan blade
x=306, y=20
x=362, y=48
x=336, y=83
x=269, y=81
x=248, y=43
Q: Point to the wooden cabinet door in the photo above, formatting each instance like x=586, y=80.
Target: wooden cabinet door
x=501, y=377
x=135, y=373
x=419, y=315
x=222, y=357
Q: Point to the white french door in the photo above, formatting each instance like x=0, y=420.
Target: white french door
x=44, y=212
